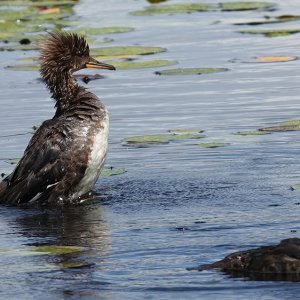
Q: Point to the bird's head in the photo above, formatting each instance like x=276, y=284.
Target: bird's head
x=66, y=52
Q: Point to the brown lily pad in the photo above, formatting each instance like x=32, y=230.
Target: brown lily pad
x=292, y=125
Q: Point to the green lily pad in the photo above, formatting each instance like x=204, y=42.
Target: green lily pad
x=163, y=138
x=111, y=171
x=127, y=64
x=212, y=145
x=9, y=29
x=74, y=264
x=126, y=50
x=28, y=47
x=292, y=125
x=185, y=131
x=272, y=32
x=24, y=67
x=37, y=3
x=191, y=71
x=104, y=30
x=156, y=1
x=251, y=5
x=252, y=132
x=58, y=250
x=189, y=8
x=295, y=186
x=269, y=20
x=172, y=9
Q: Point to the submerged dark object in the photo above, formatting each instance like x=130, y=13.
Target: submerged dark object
x=278, y=262
x=63, y=158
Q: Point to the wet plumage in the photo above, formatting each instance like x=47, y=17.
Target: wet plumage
x=63, y=159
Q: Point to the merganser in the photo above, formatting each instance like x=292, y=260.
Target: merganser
x=63, y=159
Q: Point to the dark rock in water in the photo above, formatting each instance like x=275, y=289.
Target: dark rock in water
x=25, y=41
x=87, y=78
x=278, y=262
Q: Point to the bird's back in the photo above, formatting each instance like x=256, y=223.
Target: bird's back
x=63, y=159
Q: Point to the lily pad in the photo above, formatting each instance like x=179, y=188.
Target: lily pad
x=111, y=171
x=251, y=5
x=126, y=50
x=296, y=187
x=58, y=250
x=252, y=132
x=272, y=32
x=19, y=47
x=24, y=67
x=104, y=30
x=212, y=145
x=189, y=8
x=74, y=264
x=127, y=64
x=156, y=1
x=269, y=20
x=173, y=9
x=37, y=3
x=191, y=71
x=163, y=138
x=292, y=125
x=186, y=131
x=268, y=59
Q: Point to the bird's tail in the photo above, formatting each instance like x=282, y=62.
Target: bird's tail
x=3, y=187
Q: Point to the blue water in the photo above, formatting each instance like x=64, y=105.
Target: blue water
x=178, y=205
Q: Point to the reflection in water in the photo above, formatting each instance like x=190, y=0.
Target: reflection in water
x=82, y=226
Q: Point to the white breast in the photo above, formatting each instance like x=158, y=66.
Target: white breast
x=96, y=160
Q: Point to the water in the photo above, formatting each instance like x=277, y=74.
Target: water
x=178, y=205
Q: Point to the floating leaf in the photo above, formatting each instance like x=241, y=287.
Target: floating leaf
x=111, y=171
x=58, y=250
x=191, y=71
x=74, y=264
x=272, y=32
x=253, y=132
x=185, y=131
x=267, y=59
x=19, y=47
x=212, y=145
x=269, y=20
x=293, y=125
x=142, y=64
x=251, y=5
x=188, y=8
x=156, y=1
x=164, y=138
x=52, y=10
x=104, y=30
x=126, y=50
x=276, y=58
x=24, y=67
x=295, y=187
x=37, y=3
x=172, y=9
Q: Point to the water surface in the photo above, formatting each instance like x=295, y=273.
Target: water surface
x=178, y=205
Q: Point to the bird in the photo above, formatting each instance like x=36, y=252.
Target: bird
x=64, y=157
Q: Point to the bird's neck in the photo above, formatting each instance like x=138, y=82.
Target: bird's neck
x=63, y=88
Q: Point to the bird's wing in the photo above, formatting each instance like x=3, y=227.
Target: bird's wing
x=41, y=167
